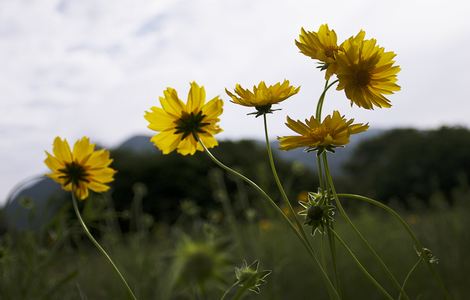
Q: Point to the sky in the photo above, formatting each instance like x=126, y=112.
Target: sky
x=74, y=68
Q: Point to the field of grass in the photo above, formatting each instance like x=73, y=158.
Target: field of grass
x=195, y=257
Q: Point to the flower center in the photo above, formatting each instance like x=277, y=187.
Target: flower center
x=314, y=213
x=190, y=124
x=330, y=52
x=73, y=173
x=319, y=133
x=362, y=78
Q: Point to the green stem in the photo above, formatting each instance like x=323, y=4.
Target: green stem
x=273, y=204
x=408, y=229
x=321, y=180
x=286, y=200
x=202, y=290
x=240, y=292
x=332, y=247
x=346, y=217
x=279, y=184
x=105, y=254
x=320, y=174
x=322, y=99
x=408, y=277
x=363, y=269
x=229, y=289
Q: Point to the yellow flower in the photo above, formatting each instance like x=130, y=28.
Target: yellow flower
x=366, y=72
x=262, y=96
x=179, y=124
x=321, y=45
x=333, y=132
x=79, y=169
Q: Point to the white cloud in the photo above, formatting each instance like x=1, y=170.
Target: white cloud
x=74, y=68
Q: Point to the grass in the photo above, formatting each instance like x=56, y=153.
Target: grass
x=58, y=262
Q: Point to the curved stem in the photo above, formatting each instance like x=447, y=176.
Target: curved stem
x=408, y=277
x=350, y=222
x=240, y=292
x=334, y=261
x=318, y=117
x=291, y=209
x=363, y=269
x=408, y=229
x=273, y=204
x=322, y=99
x=229, y=289
x=279, y=184
x=323, y=185
x=97, y=245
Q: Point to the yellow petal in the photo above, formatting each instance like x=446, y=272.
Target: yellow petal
x=171, y=103
x=81, y=192
x=104, y=175
x=98, y=159
x=159, y=120
x=53, y=163
x=61, y=150
x=166, y=141
x=196, y=98
x=213, y=108
x=98, y=187
x=187, y=146
x=82, y=149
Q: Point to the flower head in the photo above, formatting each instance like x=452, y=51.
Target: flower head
x=249, y=277
x=427, y=255
x=321, y=45
x=318, y=211
x=366, y=72
x=263, y=97
x=180, y=125
x=333, y=132
x=79, y=169
x=203, y=261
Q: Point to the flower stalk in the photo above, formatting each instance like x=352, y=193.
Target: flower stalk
x=408, y=229
x=101, y=249
x=286, y=218
x=350, y=222
x=363, y=269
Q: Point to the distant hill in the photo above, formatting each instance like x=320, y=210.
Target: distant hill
x=336, y=160
x=44, y=191
x=34, y=204
x=142, y=144
x=138, y=144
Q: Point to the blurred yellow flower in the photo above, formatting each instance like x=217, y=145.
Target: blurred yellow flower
x=179, y=124
x=321, y=45
x=265, y=225
x=366, y=72
x=262, y=96
x=79, y=169
x=333, y=132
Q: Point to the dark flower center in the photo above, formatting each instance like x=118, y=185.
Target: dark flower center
x=362, y=78
x=330, y=52
x=73, y=173
x=190, y=124
x=315, y=213
x=262, y=110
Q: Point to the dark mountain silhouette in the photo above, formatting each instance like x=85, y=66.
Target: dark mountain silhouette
x=35, y=202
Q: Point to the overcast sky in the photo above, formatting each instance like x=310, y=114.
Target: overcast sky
x=92, y=67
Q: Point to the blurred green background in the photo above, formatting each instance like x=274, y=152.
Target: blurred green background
x=175, y=224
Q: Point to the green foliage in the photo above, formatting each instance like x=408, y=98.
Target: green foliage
x=408, y=164
x=171, y=179
x=66, y=266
